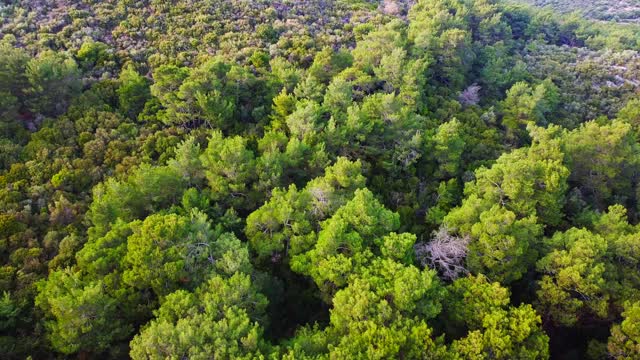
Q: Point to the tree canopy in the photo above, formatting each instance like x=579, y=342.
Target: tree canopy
x=319, y=179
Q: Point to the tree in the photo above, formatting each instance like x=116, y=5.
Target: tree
x=573, y=285
x=283, y=105
x=167, y=81
x=286, y=224
x=500, y=71
x=310, y=89
x=391, y=69
x=381, y=314
x=103, y=256
x=445, y=253
x=187, y=162
x=398, y=247
x=338, y=98
x=506, y=334
x=279, y=156
x=218, y=319
x=347, y=239
x=142, y=193
x=622, y=254
x=167, y=252
x=328, y=63
x=507, y=204
x=373, y=124
x=133, y=92
x=470, y=96
x=503, y=246
x=471, y=298
x=525, y=104
x=449, y=194
x=494, y=328
x=280, y=225
x=13, y=80
x=527, y=182
x=93, y=54
x=54, y=80
x=449, y=146
x=603, y=161
x=83, y=316
x=209, y=86
x=303, y=123
x=229, y=167
x=630, y=114
x=215, y=93
x=624, y=342
x=439, y=31
x=369, y=51
x=9, y=313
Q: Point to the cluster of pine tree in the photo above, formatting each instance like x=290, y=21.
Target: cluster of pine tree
x=318, y=179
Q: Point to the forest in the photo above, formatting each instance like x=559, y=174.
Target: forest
x=612, y=10
x=319, y=179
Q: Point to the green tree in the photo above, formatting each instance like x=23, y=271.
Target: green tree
x=391, y=69
x=507, y=205
x=573, y=285
x=218, y=319
x=286, y=224
x=133, y=92
x=472, y=298
x=338, y=98
x=381, y=314
x=439, y=31
x=54, y=80
x=281, y=225
x=603, y=160
x=186, y=161
x=13, y=80
x=283, y=105
x=101, y=257
x=346, y=242
x=527, y=182
x=83, y=316
x=328, y=63
x=167, y=252
x=215, y=93
x=370, y=51
x=525, y=105
x=229, y=168
x=503, y=247
x=142, y=193
x=630, y=114
x=304, y=122
x=494, y=328
x=622, y=254
x=449, y=142
x=505, y=334
x=9, y=313
x=166, y=83
x=93, y=54
x=624, y=342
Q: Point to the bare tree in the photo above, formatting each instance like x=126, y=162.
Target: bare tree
x=321, y=201
x=390, y=7
x=444, y=253
x=470, y=96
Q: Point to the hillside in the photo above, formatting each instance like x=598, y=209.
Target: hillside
x=625, y=11
x=317, y=179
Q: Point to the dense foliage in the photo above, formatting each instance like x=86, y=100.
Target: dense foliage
x=318, y=179
x=614, y=10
